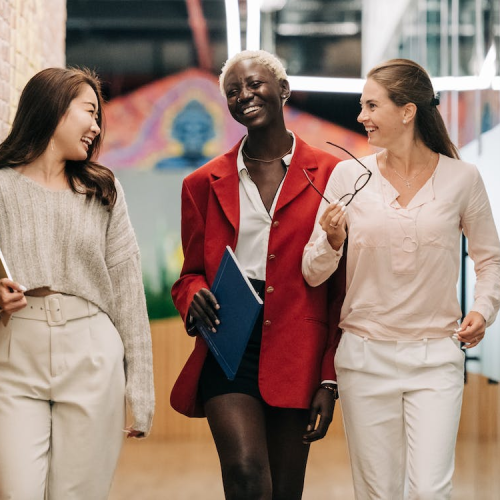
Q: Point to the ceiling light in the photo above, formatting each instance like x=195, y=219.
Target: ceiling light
x=233, y=28
x=272, y=5
x=321, y=84
x=253, y=24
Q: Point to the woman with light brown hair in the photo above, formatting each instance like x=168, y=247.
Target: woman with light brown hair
x=74, y=331
x=399, y=364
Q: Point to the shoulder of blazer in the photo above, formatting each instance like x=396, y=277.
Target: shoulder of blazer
x=311, y=157
x=220, y=166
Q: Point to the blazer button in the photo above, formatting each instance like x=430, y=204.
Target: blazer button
x=270, y=289
x=272, y=256
x=267, y=322
x=276, y=223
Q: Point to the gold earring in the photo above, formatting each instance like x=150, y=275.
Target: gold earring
x=52, y=144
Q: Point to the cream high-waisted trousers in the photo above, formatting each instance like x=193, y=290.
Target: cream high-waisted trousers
x=62, y=401
x=401, y=403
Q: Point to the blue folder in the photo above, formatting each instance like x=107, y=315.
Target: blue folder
x=239, y=309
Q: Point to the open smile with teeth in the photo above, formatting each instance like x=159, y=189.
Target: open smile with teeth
x=87, y=141
x=370, y=130
x=250, y=109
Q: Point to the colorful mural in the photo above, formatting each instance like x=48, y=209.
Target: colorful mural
x=159, y=134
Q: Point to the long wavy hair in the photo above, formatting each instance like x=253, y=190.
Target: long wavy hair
x=43, y=103
x=406, y=81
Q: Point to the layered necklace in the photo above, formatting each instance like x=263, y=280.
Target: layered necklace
x=411, y=179
x=246, y=155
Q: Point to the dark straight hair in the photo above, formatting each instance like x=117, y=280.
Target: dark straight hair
x=406, y=81
x=43, y=103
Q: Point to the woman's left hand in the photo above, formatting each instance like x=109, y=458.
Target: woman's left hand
x=322, y=405
x=472, y=329
x=333, y=222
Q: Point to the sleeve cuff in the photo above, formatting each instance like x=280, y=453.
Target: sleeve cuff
x=324, y=248
x=329, y=382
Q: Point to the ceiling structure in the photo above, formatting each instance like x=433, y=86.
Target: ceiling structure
x=133, y=42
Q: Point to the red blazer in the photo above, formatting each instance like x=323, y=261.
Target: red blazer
x=299, y=333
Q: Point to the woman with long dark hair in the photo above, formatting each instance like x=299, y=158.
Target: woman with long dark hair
x=74, y=331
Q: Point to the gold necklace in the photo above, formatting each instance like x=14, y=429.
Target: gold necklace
x=408, y=181
x=266, y=161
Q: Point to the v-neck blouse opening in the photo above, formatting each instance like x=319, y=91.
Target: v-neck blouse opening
x=424, y=195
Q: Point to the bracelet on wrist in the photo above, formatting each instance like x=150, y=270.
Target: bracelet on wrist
x=332, y=388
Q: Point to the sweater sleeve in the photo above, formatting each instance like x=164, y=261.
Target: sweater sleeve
x=130, y=313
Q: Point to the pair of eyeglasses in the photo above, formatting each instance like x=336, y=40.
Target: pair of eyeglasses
x=360, y=183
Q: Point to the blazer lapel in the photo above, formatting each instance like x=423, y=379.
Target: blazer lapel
x=225, y=184
x=296, y=181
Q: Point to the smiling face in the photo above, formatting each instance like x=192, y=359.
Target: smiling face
x=78, y=127
x=382, y=119
x=254, y=95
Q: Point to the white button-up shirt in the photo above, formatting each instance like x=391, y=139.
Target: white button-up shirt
x=255, y=220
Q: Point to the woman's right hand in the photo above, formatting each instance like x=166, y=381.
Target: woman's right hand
x=12, y=297
x=334, y=224
x=203, y=309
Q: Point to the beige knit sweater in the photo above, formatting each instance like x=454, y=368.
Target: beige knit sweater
x=59, y=240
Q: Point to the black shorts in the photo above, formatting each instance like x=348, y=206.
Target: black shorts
x=213, y=380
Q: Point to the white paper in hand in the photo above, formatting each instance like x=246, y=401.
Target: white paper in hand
x=4, y=270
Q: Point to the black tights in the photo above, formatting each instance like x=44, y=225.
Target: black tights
x=260, y=447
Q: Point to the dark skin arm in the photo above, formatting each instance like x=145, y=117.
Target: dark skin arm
x=322, y=406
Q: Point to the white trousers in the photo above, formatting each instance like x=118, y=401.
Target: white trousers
x=401, y=404
x=62, y=401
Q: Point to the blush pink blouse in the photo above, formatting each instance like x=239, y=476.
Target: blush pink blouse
x=403, y=264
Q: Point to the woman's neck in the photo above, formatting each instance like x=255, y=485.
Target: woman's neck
x=408, y=161
x=47, y=172
x=268, y=145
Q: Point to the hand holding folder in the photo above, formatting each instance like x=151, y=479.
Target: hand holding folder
x=239, y=309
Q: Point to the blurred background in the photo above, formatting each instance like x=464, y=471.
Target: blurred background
x=159, y=61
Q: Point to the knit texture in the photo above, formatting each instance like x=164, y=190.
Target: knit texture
x=59, y=240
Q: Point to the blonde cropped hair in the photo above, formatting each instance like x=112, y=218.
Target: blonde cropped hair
x=263, y=57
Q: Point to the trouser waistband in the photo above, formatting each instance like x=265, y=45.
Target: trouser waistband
x=56, y=309
x=259, y=287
